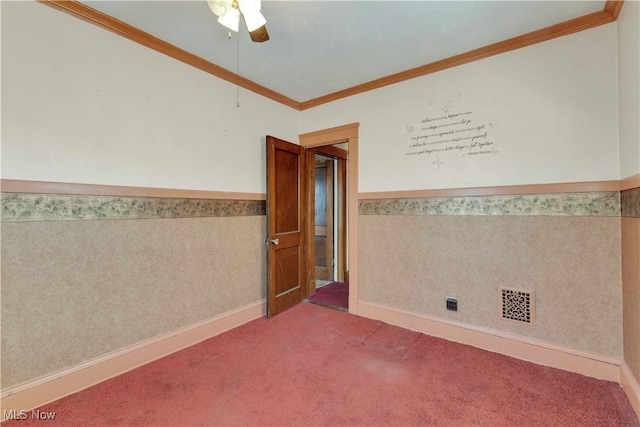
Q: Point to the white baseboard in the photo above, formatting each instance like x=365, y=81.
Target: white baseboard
x=592, y=365
x=38, y=392
x=631, y=387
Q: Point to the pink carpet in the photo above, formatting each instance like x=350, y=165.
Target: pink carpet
x=313, y=366
x=334, y=294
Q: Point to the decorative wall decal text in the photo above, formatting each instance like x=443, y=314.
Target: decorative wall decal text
x=448, y=129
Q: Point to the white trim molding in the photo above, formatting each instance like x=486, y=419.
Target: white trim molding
x=539, y=352
x=630, y=386
x=68, y=188
x=46, y=389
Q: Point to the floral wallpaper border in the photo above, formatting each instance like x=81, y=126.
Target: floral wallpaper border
x=52, y=207
x=630, y=203
x=567, y=204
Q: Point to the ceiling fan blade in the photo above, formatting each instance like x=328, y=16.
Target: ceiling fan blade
x=259, y=35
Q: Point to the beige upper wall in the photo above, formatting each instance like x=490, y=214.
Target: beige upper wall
x=628, y=26
x=81, y=104
x=109, y=111
x=550, y=109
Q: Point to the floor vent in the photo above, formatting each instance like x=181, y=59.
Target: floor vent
x=517, y=305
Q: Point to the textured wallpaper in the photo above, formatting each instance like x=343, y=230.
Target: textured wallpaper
x=86, y=275
x=565, y=248
x=76, y=290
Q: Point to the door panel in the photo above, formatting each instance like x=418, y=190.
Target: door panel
x=286, y=228
x=321, y=252
x=287, y=274
x=324, y=220
x=287, y=191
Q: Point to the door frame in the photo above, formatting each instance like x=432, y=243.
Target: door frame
x=349, y=134
x=340, y=156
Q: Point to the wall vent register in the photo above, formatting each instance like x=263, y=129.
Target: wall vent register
x=517, y=305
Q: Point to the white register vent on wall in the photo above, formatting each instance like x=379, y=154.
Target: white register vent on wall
x=517, y=305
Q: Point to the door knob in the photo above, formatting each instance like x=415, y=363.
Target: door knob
x=276, y=241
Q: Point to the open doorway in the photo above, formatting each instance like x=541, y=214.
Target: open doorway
x=324, y=138
x=289, y=216
x=327, y=183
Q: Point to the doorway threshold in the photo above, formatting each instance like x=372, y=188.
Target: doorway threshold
x=325, y=304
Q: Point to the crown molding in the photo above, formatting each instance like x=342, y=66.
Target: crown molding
x=609, y=14
x=93, y=16
x=605, y=16
x=613, y=7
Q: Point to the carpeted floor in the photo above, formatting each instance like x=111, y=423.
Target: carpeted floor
x=313, y=366
x=335, y=295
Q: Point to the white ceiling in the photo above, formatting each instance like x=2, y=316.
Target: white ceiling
x=320, y=47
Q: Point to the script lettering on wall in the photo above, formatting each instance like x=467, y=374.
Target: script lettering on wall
x=448, y=131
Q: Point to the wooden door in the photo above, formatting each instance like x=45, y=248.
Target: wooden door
x=286, y=227
x=323, y=207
